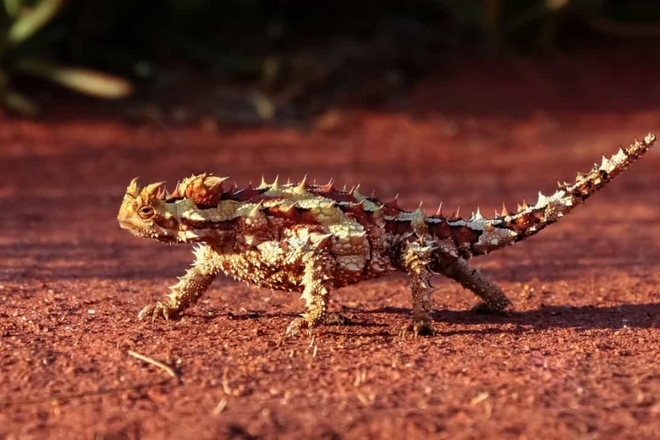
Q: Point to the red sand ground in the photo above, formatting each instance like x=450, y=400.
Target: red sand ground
x=577, y=358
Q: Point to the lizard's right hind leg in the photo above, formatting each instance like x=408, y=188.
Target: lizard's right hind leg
x=472, y=279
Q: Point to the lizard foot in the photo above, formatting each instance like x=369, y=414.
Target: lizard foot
x=158, y=310
x=336, y=319
x=295, y=326
x=298, y=324
x=483, y=308
x=423, y=328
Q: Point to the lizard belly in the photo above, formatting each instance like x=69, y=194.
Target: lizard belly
x=269, y=266
x=250, y=268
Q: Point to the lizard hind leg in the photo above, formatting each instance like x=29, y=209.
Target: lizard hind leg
x=494, y=300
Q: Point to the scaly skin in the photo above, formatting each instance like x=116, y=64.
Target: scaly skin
x=314, y=239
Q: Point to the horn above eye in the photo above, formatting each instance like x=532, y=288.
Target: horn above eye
x=133, y=189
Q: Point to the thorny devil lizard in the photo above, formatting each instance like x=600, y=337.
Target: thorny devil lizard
x=315, y=238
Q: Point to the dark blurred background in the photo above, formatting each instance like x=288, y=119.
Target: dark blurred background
x=282, y=59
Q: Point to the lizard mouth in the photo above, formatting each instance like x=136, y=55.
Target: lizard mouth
x=146, y=233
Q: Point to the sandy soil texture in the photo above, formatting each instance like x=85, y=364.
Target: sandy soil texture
x=578, y=358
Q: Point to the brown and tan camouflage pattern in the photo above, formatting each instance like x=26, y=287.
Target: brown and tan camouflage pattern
x=314, y=238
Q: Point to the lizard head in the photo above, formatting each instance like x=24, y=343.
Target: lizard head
x=144, y=212
x=189, y=214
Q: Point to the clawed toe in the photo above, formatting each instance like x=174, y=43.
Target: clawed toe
x=155, y=311
x=483, y=308
x=336, y=319
x=148, y=312
x=298, y=324
x=417, y=329
x=295, y=326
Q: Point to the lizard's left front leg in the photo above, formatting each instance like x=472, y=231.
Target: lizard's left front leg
x=317, y=281
x=188, y=290
x=416, y=259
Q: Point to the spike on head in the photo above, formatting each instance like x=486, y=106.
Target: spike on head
x=141, y=210
x=133, y=189
x=505, y=211
x=162, y=193
x=153, y=192
x=176, y=194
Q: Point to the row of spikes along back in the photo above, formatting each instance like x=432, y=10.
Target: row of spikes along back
x=206, y=191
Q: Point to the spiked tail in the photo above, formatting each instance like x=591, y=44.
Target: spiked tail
x=496, y=233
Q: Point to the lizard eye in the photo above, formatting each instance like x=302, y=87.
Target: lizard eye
x=146, y=212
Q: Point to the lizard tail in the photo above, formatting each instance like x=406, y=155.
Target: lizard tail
x=508, y=228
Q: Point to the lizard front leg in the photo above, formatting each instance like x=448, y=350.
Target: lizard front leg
x=317, y=281
x=416, y=261
x=188, y=290
x=472, y=279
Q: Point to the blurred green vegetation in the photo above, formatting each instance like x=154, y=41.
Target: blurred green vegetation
x=25, y=45
x=286, y=47
x=236, y=35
